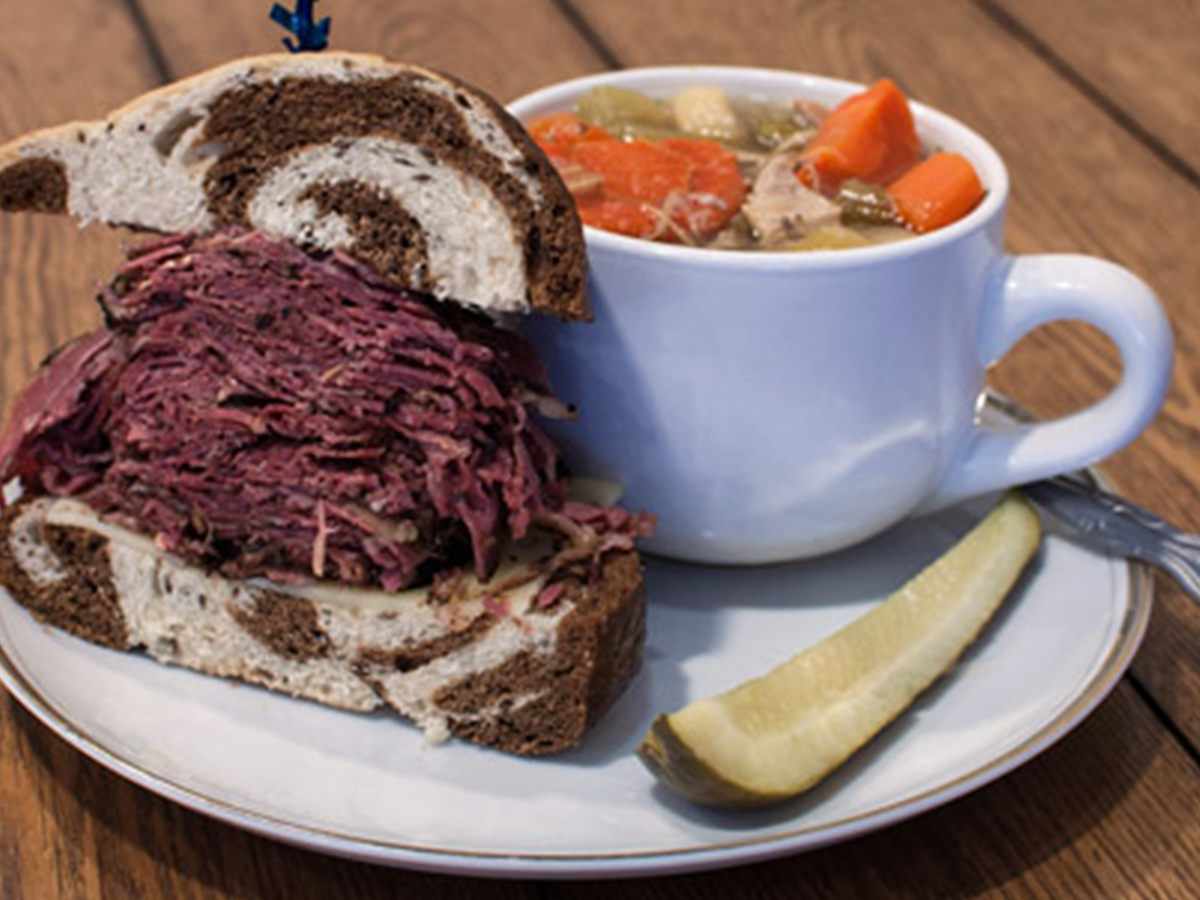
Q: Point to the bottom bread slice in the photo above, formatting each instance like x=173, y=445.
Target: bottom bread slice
x=525, y=669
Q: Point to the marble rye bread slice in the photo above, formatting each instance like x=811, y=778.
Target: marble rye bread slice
x=504, y=670
x=427, y=180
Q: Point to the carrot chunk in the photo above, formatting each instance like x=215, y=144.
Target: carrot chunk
x=556, y=133
x=565, y=128
x=638, y=170
x=715, y=192
x=620, y=215
x=668, y=190
x=940, y=190
x=870, y=136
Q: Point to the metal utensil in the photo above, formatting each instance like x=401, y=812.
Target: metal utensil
x=1113, y=524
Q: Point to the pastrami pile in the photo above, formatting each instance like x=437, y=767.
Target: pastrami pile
x=263, y=412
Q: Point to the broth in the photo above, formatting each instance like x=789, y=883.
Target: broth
x=705, y=169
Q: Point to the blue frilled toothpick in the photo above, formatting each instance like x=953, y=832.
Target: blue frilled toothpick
x=310, y=35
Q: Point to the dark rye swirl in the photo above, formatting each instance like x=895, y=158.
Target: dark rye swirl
x=422, y=177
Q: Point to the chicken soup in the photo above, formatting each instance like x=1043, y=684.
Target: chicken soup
x=705, y=169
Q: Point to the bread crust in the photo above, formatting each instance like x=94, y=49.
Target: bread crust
x=91, y=610
x=156, y=164
x=598, y=652
x=532, y=697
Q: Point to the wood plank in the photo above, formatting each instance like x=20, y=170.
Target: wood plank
x=1137, y=56
x=1054, y=138
x=506, y=49
x=48, y=269
x=1110, y=813
x=85, y=59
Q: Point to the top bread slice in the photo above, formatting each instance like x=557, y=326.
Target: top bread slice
x=422, y=177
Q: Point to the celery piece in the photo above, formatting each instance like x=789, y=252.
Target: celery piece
x=622, y=111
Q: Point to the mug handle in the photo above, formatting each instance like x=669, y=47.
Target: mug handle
x=1032, y=291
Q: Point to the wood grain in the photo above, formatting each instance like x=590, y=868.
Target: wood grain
x=955, y=57
x=1146, y=77
x=48, y=269
x=506, y=48
x=1141, y=80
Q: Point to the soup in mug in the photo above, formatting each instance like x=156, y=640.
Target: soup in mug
x=704, y=169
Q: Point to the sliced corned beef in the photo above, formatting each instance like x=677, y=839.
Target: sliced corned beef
x=263, y=412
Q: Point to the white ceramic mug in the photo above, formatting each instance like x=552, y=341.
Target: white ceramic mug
x=772, y=406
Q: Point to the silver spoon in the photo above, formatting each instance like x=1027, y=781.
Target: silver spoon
x=1114, y=525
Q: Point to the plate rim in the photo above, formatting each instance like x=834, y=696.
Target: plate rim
x=1139, y=585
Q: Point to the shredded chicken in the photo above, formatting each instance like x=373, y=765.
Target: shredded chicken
x=664, y=224
x=811, y=113
x=779, y=208
x=579, y=181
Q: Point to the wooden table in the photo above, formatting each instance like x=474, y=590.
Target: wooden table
x=1092, y=102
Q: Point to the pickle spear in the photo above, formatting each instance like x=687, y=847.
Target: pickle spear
x=775, y=736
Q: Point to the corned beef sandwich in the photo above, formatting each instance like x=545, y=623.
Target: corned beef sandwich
x=284, y=458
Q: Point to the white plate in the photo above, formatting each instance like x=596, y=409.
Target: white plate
x=365, y=786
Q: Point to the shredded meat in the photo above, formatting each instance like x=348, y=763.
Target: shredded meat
x=263, y=412
x=781, y=209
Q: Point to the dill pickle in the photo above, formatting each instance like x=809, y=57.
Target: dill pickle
x=775, y=736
